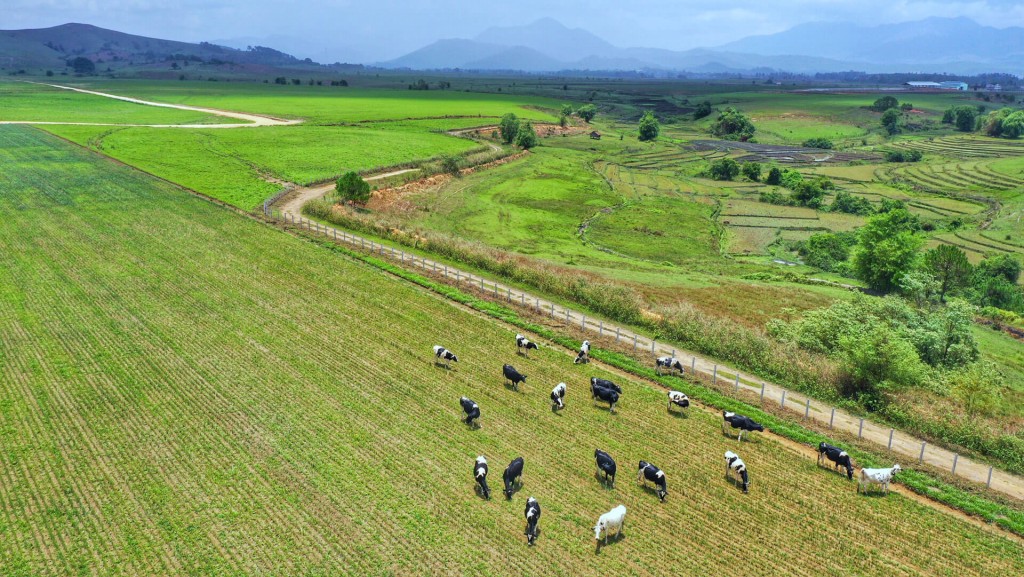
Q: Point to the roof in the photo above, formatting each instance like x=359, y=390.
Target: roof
x=923, y=84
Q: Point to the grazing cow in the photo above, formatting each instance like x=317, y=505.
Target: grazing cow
x=605, y=464
x=557, y=394
x=878, y=477
x=604, y=384
x=649, y=472
x=480, y=474
x=524, y=345
x=444, y=355
x=744, y=424
x=584, y=355
x=513, y=472
x=513, y=376
x=471, y=409
x=837, y=456
x=678, y=399
x=736, y=465
x=605, y=395
x=612, y=520
x=532, y=514
x=669, y=363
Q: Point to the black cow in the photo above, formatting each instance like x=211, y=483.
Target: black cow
x=444, y=355
x=513, y=472
x=471, y=409
x=584, y=355
x=605, y=395
x=670, y=363
x=523, y=345
x=511, y=374
x=740, y=422
x=605, y=464
x=532, y=514
x=837, y=456
x=480, y=474
x=557, y=394
x=604, y=384
x=649, y=472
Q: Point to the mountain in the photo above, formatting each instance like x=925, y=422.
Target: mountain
x=550, y=37
x=52, y=47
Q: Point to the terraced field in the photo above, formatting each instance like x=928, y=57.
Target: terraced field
x=162, y=418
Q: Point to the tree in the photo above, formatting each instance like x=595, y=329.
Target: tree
x=774, y=176
x=352, y=187
x=886, y=249
x=877, y=360
x=732, y=124
x=891, y=120
x=703, y=109
x=752, y=170
x=885, y=103
x=950, y=267
x=1003, y=265
x=450, y=164
x=508, y=127
x=724, y=169
x=82, y=65
x=822, y=143
x=977, y=386
x=587, y=112
x=963, y=117
x=567, y=109
x=526, y=137
x=850, y=204
x=649, y=127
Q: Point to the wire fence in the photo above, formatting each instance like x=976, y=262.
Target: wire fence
x=721, y=376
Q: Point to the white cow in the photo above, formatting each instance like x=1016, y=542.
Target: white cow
x=878, y=477
x=612, y=520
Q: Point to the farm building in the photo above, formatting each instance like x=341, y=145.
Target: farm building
x=929, y=85
x=921, y=85
x=953, y=85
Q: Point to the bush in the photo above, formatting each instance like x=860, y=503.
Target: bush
x=587, y=112
x=826, y=250
x=732, y=124
x=903, y=155
x=822, y=143
x=352, y=187
x=703, y=110
x=885, y=103
x=774, y=197
x=752, y=170
x=508, y=127
x=649, y=127
x=724, y=169
x=774, y=176
x=526, y=137
x=850, y=204
x=450, y=164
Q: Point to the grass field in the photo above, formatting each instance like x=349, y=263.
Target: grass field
x=22, y=101
x=162, y=418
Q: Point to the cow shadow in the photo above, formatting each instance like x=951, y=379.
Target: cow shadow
x=612, y=541
x=440, y=364
x=480, y=493
x=510, y=387
x=603, y=409
x=873, y=493
x=736, y=483
x=475, y=425
x=608, y=485
x=679, y=414
x=840, y=471
x=556, y=410
x=747, y=437
x=516, y=487
x=653, y=490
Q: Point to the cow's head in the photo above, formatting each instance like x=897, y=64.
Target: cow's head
x=601, y=526
x=896, y=469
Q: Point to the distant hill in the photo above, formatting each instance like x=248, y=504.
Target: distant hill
x=52, y=47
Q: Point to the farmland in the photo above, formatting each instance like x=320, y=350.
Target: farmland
x=162, y=418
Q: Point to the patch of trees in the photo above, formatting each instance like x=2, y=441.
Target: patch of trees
x=420, y=84
x=724, y=169
x=963, y=117
x=82, y=65
x=885, y=103
x=732, y=124
x=703, y=110
x=822, y=143
x=352, y=187
x=519, y=132
x=886, y=249
x=339, y=82
x=827, y=251
x=587, y=112
x=1005, y=122
x=903, y=155
x=803, y=192
x=649, y=127
x=892, y=120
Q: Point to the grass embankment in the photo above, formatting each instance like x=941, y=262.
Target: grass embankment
x=187, y=392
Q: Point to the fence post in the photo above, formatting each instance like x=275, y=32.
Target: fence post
x=714, y=377
x=762, y=393
x=782, y=402
x=956, y=457
x=737, y=381
x=481, y=283
x=566, y=316
x=600, y=329
x=538, y=304
x=634, y=343
x=552, y=310
x=457, y=279
x=832, y=419
x=522, y=299
x=583, y=323
x=920, y=458
x=807, y=409
x=509, y=294
x=891, y=433
x=335, y=235
x=652, y=346
x=617, y=329
x=989, y=483
x=860, y=431
x=693, y=366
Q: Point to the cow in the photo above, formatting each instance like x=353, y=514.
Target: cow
x=605, y=395
x=532, y=514
x=584, y=354
x=443, y=355
x=648, y=472
x=606, y=465
x=604, y=384
x=557, y=394
x=734, y=464
x=744, y=424
x=670, y=363
x=523, y=345
x=480, y=474
x=471, y=409
x=678, y=399
x=837, y=456
x=513, y=472
x=513, y=376
x=612, y=520
x=878, y=477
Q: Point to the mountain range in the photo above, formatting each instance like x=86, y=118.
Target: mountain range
x=952, y=45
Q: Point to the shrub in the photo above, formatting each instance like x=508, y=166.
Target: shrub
x=732, y=124
x=724, y=169
x=903, y=155
x=450, y=164
x=703, y=110
x=774, y=176
x=822, y=143
x=885, y=103
x=526, y=137
x=649, y=127
x=587, y=112
x=508, y=127
x=752, y=170
x=352, y=187
x=850, y=204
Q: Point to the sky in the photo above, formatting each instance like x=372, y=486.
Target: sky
x=378, y=30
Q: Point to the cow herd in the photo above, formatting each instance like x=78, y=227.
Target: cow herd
x=606, y=391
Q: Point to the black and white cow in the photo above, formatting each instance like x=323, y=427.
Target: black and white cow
x=744, y=424
x=604, y=384
x=480, y=474
x=532, y=514
x=837, y=456
x=557, y=394
x=513, y=472
x=734, y=464
x=584, y=354
x=610, y=396
x=445, y=356
x=649, y=472
x=678, y=399
x=513, y=376
x=669, y=363
x=606, y=465
x=523, y=345
x=471, y=409
x=881, y=477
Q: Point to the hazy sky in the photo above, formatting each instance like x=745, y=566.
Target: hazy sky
x=374, y=30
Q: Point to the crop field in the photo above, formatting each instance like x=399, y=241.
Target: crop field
x=162, y=418
x=23, y=101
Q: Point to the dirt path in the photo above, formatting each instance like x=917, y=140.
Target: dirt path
x=251, y=120
x=293, y=201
